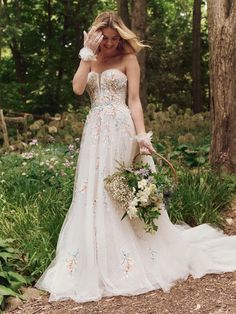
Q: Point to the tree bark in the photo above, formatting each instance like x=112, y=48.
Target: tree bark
x=196, y=58
x=123, y=10
x=222, y=40
x=138, y=25
x=4, y=129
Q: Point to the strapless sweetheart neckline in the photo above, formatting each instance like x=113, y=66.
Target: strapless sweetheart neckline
x=111, y=69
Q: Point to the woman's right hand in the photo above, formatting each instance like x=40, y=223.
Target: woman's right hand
x=92, y=39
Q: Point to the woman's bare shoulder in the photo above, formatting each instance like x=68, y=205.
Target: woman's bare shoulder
x=130, y=62
x=129, y=57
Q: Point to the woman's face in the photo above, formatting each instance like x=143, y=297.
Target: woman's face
x=110, y=40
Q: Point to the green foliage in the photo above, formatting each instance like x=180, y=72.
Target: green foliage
x=48, y=36
x=35, y=194
x=181, y=126
x=169, y=62
x=192, y=156
x=184, y=136
x=200, y=196
x=10, y=279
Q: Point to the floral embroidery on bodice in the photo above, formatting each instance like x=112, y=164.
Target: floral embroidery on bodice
x=107, y=88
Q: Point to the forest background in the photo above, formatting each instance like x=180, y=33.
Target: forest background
x=188, y=92
x=40, y=41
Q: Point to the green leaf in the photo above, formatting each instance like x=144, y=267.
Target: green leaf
x=10, y=250
x=14, y=285
x=3, y=274
x=182, y=147
x=6, y=255
x=7, y=291
x=125, y=214
x=1, y=299
x=201, y=160
x=17, y=277
x=6, y=242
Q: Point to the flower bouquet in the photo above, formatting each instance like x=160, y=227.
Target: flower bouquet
x=139, y=192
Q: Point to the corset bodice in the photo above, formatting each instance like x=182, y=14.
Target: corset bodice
x=107, y=88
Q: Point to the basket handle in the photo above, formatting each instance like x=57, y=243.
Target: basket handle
x=166, y=160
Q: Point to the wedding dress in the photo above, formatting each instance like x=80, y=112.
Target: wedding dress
x=98, y=254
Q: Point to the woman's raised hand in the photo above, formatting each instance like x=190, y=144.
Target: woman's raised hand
x=92, y=39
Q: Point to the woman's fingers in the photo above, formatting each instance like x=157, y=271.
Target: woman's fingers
x=93, y=38
x=147, y=149
x=144, y=151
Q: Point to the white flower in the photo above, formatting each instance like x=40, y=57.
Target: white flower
x=34, y=142
x=71, y=147
x=143, y=197
x=142, y=184
x=132, y=211
x=153, y=188
x=28, y=155
x=23, y=174
x=134, y=202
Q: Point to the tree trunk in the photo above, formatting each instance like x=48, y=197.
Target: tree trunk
x=20, y=65
x=123, y=10
x=222, y=40
x=196, y=57
x=138, y=25
x=4, y=130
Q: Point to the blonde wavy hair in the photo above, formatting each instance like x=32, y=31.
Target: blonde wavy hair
x=129, y=42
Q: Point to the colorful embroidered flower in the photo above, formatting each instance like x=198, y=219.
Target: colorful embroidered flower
x=72, y=262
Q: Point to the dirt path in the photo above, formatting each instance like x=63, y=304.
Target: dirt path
x=212, y=294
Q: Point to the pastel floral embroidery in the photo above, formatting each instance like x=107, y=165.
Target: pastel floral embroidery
x=72, y=262
x=153, y=254
x=126, y=263
x=83, y=186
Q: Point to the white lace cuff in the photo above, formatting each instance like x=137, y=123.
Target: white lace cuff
x=87, y=54
x=144, y=136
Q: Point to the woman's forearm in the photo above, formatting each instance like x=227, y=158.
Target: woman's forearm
x=137, y=116
x=80, y=78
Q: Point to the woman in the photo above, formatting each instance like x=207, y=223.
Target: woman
x=98, y=254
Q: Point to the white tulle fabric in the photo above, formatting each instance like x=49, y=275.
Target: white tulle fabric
x=98, y=254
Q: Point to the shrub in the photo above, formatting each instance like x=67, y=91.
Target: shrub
x=10, y=279
x=200, y=197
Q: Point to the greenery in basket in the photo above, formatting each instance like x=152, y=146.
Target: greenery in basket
x=139, y=192
x=10, y=279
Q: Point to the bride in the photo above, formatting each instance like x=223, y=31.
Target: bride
x=98, y=254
